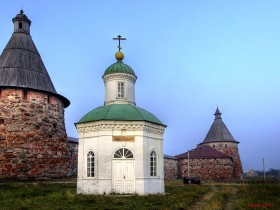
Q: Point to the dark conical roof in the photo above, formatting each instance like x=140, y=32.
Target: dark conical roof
x=20, y=63
x=218, y=131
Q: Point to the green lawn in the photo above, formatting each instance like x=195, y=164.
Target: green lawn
x=209, y=196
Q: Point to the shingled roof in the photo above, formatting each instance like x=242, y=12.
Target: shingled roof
x=21, y=65
x=203, y=151
x=218, y=131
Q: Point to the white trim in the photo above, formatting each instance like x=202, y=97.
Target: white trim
x=128, y=125
x=116, y=76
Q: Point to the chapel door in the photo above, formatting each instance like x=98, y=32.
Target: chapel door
x=123, y=171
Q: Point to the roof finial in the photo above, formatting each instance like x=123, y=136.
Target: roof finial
x=119, y=55
x=218, y=114
x=21, y=10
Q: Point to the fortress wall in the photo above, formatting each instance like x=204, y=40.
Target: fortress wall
x=33, y=141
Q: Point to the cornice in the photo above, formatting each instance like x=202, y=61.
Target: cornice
x=117, y=76
x=86, y=128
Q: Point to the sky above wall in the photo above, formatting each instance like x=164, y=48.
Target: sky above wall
x=189, y=56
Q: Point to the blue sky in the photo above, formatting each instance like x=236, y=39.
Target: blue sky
x=189, y=56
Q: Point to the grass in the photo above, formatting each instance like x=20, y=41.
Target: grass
x=211, y=196
x=262, y=194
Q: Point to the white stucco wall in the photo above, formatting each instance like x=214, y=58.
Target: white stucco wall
x=111, y=88
x=97, y=136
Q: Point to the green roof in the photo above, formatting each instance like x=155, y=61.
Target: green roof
x=119, y=67
x=125, y=112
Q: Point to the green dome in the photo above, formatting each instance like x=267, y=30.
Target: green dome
x=124, y=112
x=119, y=67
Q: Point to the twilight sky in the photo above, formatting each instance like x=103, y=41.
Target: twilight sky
x=189, y=56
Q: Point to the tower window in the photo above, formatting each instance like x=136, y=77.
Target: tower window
x=120, y=89
x=24, y=95
x=20, y=24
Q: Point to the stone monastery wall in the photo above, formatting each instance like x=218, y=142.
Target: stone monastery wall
x=230, y=149
x=33, y=142
x=207, y=169
x=171, y=168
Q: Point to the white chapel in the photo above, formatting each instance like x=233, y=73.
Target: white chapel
x=120, y=144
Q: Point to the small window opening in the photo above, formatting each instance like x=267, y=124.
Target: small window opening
x=20, y=24
x=55, y=125
x=25, y=95
x=226, y=145
x=1, y=121
x=213, y=145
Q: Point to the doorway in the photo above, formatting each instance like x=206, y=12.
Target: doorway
x=123, y=172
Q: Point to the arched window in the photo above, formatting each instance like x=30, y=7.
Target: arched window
x=123, y=153
x=153, y=163
x=90, y=164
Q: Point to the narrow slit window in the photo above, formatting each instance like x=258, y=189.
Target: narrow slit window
x=25, y=95
x=120, y=89
x=20, y=24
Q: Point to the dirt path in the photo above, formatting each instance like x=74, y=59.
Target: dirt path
x=202, y=203
x=233, y=196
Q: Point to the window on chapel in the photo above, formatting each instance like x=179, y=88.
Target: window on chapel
x=123, y=153
x=153, y=163
x=120, y=89
x=90, y=164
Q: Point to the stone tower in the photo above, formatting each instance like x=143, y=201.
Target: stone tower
x=221, y=139
x=33, y=140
